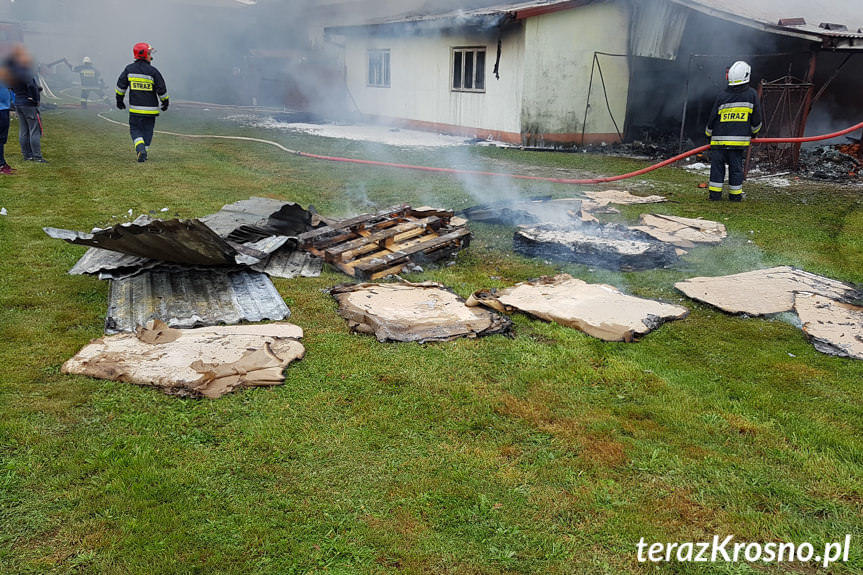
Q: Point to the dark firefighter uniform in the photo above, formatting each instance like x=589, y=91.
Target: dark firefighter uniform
x=147, y=91
x=735, y=118
x=91, y=81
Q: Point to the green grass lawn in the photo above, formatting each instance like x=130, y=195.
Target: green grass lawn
x=547, y=452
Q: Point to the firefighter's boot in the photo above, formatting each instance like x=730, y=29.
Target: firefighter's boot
x=715, y=196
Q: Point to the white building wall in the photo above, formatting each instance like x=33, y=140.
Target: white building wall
x=559, y=51
x=421, y=79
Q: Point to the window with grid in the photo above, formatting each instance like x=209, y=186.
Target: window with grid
x=468, y=69
x=379, y=68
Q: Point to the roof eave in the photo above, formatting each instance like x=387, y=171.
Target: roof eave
x=526, y=13
x=825, y=40
x=421, y=25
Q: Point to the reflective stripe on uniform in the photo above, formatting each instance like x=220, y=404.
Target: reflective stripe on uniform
x=730, y=141
x=733, y=192
x=715, y=185
x=756, y=129
x=138, y=141
x=119, y=91
x=748, y=105
x=144, y=110
x=164, y=98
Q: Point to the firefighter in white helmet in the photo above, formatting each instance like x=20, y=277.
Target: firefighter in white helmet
x=91, y=80
x=735, y=118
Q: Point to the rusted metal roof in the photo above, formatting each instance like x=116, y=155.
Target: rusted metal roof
x=108, y=264
x=291, y=262
x=241, y=213
x=193, y=298
x=178, y=241
x=252, y=230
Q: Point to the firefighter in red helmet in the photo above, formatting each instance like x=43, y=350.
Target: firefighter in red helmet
x=147, y=96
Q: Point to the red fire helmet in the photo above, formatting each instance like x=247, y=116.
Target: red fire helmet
x=143, y=51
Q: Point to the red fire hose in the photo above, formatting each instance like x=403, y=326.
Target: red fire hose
x=515, y=176
x=588, y=180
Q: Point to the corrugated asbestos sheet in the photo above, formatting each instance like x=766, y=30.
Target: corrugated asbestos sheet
x=193, y=298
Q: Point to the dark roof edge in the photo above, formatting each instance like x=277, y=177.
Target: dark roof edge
x=827, y=39
x=481, y=17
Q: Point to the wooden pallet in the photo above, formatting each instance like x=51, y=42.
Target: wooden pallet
x=372, y=246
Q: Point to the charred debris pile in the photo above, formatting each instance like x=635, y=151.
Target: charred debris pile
x=186, y=295
x=217, y=269
x=838, y=163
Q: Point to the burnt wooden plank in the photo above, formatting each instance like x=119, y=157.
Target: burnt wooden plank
x=312, y=236
x=426, y=212
x=347, y=250
x=404, y=247
x=319, y=248
x=372, y=265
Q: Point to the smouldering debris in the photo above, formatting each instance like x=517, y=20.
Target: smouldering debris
x=372, y=246
x=202, y=362
x=191, y=273
x=419, y=312
x=681, y=232
x=829, y=311
x=599, y=310
x=766, y=291
x=621, y=197
x=609, y=246
x=833, y=327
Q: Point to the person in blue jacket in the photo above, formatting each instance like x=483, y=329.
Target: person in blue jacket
x=5, y=106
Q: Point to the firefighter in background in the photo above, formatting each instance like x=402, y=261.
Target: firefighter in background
x=147, y=95
x=735, y=118
x=91, y=80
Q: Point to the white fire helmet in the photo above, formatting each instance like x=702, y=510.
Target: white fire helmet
x=87, y=60
x=739, y=73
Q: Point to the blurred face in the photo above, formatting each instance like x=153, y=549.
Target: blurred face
x=22, y=56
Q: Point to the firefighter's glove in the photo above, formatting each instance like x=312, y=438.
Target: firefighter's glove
x=120, y=104
x=165, y=104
